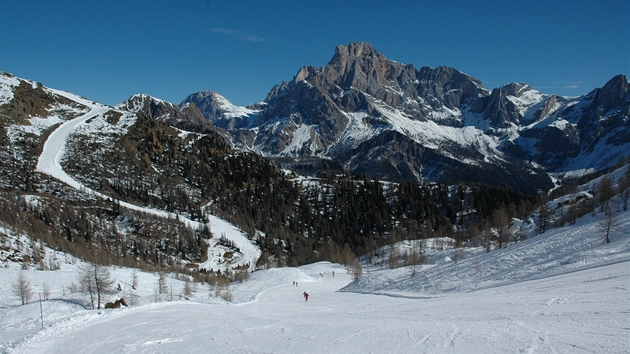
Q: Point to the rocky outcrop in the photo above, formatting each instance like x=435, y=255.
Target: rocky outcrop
x=380, y=117
x=187, y=118
x=311, y=115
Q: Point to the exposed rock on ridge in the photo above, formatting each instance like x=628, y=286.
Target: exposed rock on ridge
x=380, y=117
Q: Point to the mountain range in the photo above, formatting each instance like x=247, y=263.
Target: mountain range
x=365, y=114
x=193, y=190
x=459, y=154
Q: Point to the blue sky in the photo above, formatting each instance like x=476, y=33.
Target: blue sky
x=109, y=50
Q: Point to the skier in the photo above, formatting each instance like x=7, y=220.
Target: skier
x=305, y=296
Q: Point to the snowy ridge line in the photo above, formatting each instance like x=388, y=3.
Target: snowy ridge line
x=49, y=163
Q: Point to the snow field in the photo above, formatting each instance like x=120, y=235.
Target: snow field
x=580, y=312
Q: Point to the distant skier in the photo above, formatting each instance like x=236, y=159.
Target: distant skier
x=333, y=273
x=305, y=296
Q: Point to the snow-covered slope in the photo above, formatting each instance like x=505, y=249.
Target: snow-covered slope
x=379, y=117
x=532, y=297
x=49, y=163
x=556, y=252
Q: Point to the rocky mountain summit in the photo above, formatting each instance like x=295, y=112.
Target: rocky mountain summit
x=365, y=114
x=375, y=116
x=360, y=114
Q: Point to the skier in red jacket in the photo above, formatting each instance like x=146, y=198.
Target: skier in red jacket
x=305, y=296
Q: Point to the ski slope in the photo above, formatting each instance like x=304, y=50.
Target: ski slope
x=582, y=307
x=49, y=163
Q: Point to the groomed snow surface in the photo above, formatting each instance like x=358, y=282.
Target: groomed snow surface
x=504, y=301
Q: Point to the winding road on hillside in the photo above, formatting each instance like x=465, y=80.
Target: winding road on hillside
x=49, y=162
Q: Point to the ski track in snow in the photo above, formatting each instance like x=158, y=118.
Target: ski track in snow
x=581, y=312
x=50, y=163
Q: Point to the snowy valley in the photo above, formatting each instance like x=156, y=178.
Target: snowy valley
x=420, y=211
x=563, y=291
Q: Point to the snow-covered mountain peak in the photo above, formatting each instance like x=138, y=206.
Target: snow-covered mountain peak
x=137, y=102
x=219, y=110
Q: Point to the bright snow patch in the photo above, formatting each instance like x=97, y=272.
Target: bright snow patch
x=478, y=304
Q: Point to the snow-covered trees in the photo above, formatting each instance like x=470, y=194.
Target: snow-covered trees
x=188, y=288
x=46, y=291
x=22, y=288
x=227, y=295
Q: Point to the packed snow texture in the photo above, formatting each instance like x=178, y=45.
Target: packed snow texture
x=532, y=297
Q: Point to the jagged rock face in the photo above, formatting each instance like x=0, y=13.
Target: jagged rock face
x=188, y=118
x=355, y=110
x=207, y=103
x=219, y=111
x=614, y=94
x=357, y=73
x=609, y=108
x=316, y=109
x=394, y=155
x=448, y=87
x=500, y=111
x=379, y=117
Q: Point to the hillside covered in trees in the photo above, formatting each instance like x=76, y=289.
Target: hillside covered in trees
x=139, y=159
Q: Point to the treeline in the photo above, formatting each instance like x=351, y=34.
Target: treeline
x=339, y=217
x=333, y=217
x=153, y=165
x=102, y=232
